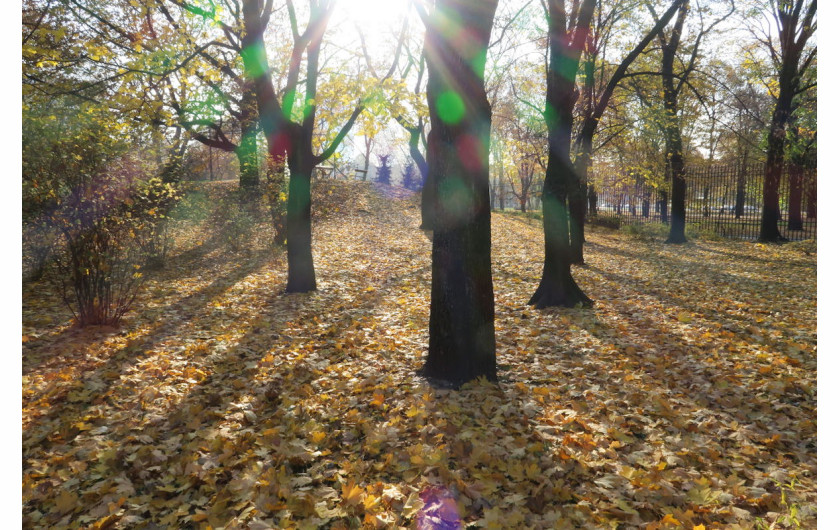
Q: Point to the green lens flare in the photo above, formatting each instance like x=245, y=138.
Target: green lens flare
x=450, y=107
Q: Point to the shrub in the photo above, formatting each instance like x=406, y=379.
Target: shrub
x=89, y=194
x=606, y=222
x=108, y=226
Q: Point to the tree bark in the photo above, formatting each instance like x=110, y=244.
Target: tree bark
x=769, y=230
x=462, y=344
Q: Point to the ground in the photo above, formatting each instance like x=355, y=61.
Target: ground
x=685, y=398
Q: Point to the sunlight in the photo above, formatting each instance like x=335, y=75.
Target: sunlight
x=377, y=19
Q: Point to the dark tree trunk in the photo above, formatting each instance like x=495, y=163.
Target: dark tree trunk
x=741, y=191
x=557, y=286
x=812, y=196
x=769, y=230
x=674, y=158
x=299, y=219
x=593, y=201
x=662, y=206
x=577, y=216
x=678, y=189
x=646, y=208
x=577, y=193
x=462, y=344
x=795, y=198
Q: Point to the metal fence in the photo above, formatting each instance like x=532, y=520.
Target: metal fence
x=724, y=199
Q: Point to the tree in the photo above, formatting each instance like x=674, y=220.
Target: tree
x=411, y=179
x=795, y=23
x=289, y=123
x=383, y=171
x=599, y=82
x=567, y=33
x=411, y=113
x=673, y=82
x=462, y=343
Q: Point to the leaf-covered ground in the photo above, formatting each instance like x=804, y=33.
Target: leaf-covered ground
x=685, y=398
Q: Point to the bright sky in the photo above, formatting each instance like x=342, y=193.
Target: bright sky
x=378, y=20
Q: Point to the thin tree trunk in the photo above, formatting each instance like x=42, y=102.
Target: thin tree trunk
x=741, y=189
x=662, y=206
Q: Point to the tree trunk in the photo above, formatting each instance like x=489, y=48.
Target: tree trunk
x=557, y=286
x=462, y=344
x=662, y=206
x=678, y=189
x=246, y=152
x=368, y=149
x=593, y=201
x=769, y=231
x=741, y=190
x=426, y=207
x=795, y=198
x=674, y=162
x=577, y=216
x=299, y=219
x=812, y=196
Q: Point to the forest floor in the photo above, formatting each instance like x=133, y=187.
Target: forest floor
x=685, y=398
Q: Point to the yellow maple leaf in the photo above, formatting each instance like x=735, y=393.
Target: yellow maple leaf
x=351, y=493
x=669, y=519
x=317, y=436
x=378, y=400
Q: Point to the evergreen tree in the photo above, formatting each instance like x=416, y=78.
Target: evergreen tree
x=411, y=178
x=383, y=172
